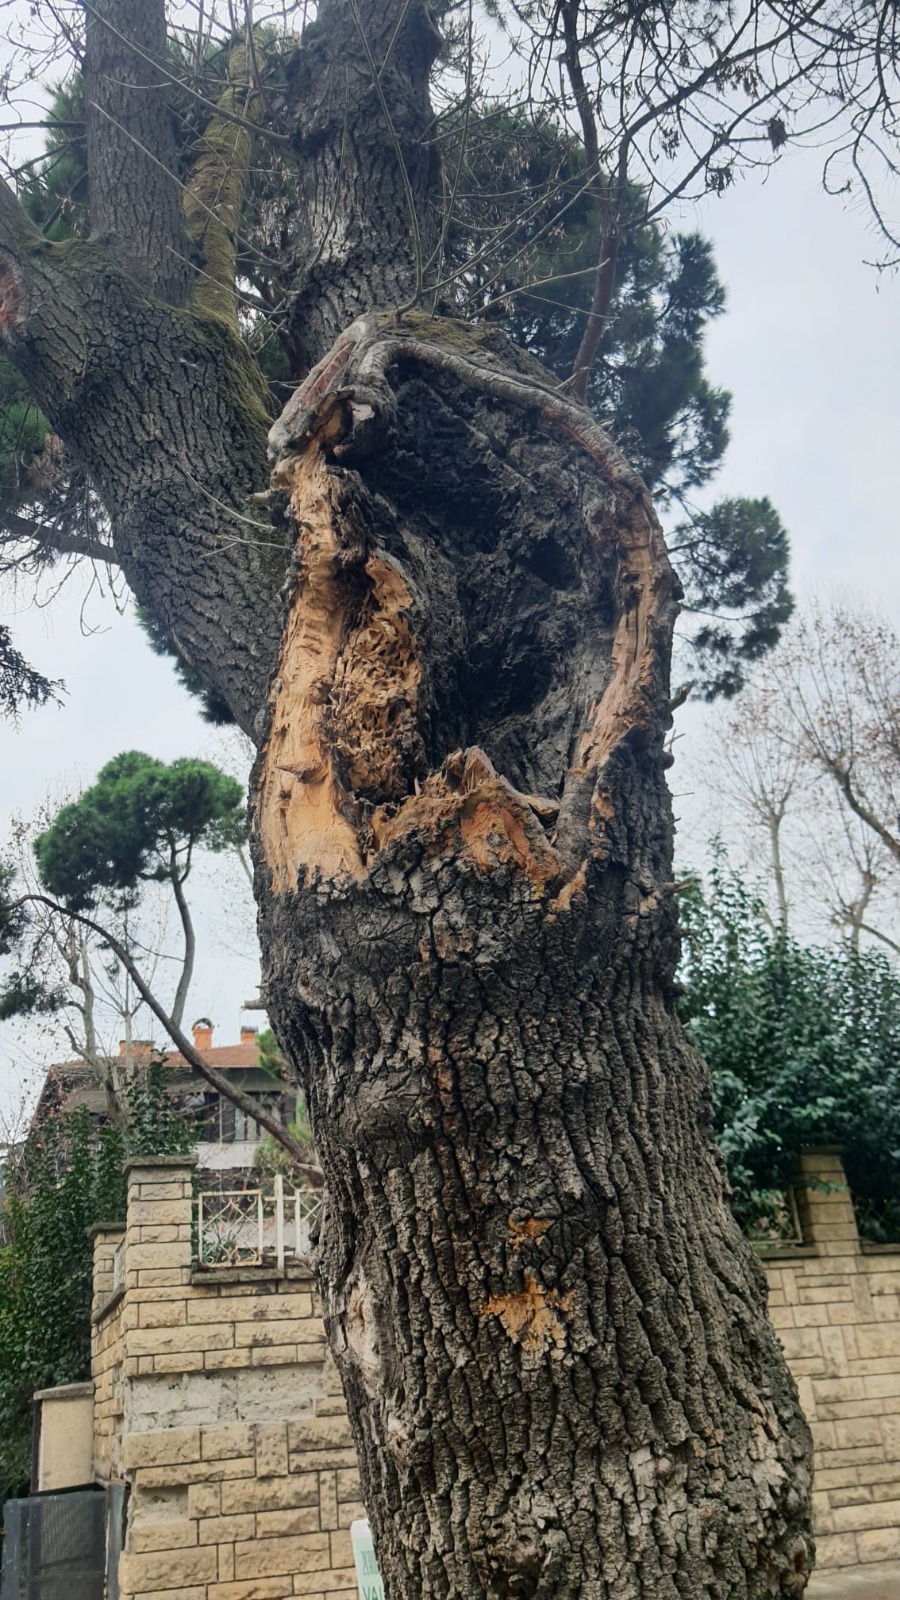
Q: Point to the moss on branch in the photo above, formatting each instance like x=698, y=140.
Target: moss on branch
x=214, y=193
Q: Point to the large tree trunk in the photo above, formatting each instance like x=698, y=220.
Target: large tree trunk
x=451, y=644
x=551, y=1333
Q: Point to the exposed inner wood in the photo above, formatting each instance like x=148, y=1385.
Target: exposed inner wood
x=625, y=702
x=343, y=725
x=533, y=1318
x=343, y=763
x=467, y=809
x=300, y=820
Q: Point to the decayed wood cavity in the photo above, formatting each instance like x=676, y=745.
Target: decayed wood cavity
x=343, y=724
x=468, y=810
x=345, y=742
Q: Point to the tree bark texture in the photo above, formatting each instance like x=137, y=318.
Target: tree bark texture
x=164, y=410
x=551, y=1332
x=367, y=219
x=135, y=189
x=448, y=632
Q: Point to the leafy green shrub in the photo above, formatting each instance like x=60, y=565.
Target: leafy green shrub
x=803, y=1044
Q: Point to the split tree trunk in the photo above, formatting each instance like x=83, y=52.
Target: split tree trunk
x=551, y=1332
x=452, y=650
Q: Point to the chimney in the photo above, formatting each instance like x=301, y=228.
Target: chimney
x=203, y=1032
x=248, y=1035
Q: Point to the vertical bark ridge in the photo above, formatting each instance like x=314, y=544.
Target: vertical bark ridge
x=134, y=186
x=551, y=1333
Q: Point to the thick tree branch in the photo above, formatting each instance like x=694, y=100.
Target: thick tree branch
x=107, y=361
x=214, y=192
x=135, y=193
x=56, y=541
x=216, y=1080
x=368, y=169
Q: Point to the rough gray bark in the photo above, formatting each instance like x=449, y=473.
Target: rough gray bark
x=453, y=653
x=367, y=165
x=135, y=194
x=164, y=411
x=551, y=1332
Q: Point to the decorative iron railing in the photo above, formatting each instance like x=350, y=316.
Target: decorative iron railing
x=256, y=1227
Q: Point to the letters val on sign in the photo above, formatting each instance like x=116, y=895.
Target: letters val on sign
x=368, y=1577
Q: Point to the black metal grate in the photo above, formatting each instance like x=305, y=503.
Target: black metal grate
x=55, y=1547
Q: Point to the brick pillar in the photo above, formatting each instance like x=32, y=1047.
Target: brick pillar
x=158, y=1224
x=107, y=1237
x=826, y=1213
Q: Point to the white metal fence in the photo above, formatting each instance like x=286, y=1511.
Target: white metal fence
x=256, y=1227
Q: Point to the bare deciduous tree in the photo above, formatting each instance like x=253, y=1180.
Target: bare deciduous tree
x=809, y=757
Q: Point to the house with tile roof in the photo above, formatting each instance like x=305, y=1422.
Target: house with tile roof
x=229, y=1138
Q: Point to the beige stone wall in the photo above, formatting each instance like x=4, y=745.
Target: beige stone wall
x=836, y=1307
x=216, y=1398
x=107, y=1357
x=218, y=1401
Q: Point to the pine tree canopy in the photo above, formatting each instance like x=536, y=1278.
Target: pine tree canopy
x=139, y=822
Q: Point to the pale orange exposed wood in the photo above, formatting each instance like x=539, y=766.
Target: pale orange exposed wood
x=300, y=823
x=625, y=702
x=343, y=724
x=532, y=1317
x=468, y=809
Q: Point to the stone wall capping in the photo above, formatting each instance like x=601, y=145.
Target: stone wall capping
x=205, y=1276
x=107, y=1306
x=784, y=1252
x=134, y=1162
x=65, y=1391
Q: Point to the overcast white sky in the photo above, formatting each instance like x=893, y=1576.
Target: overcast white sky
x=809, y=347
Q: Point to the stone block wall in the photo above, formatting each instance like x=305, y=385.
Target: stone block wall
x=217, y=1400
x=107, y=1355
x=835, y=1303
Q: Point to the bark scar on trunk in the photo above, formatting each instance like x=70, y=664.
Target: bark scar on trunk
x=533, y=1318
x=355, y=700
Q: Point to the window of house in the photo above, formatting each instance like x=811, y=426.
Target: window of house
x=226, y=1123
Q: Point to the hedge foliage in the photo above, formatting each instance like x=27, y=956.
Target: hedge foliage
x=803, y=1044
